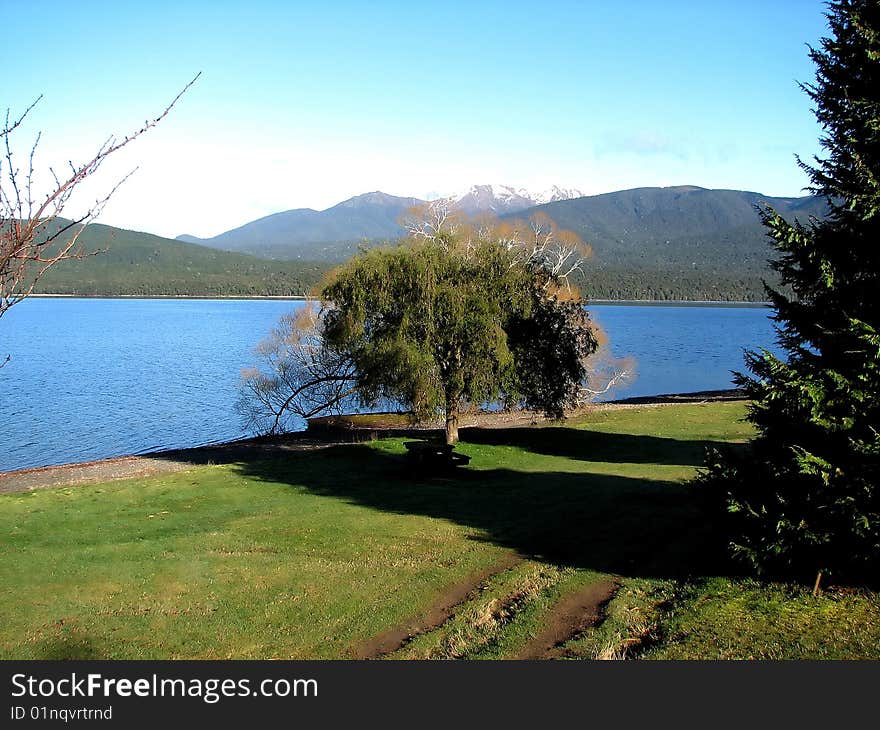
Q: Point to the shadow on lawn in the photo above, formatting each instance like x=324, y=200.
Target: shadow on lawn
x=70, y=644
x=608, y=523
x=588, y=445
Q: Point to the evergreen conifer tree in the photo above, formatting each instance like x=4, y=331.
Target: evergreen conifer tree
x=805, y=496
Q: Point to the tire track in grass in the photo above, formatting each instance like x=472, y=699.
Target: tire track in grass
x=438, y=614
x=573, y=615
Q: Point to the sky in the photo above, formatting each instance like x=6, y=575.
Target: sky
x=306, y=104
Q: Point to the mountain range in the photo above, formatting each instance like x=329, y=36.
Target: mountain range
x=334, y=234
x=678, y=242
x=682, y=242
x=325, y=235
x=677, y=226
x=671, y=227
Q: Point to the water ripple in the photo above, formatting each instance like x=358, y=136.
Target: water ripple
x=96, y=378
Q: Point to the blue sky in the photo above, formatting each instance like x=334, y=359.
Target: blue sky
x=306, y=104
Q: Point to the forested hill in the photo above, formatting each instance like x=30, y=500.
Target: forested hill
x=677, y=243
x=681, y=242
x=328, y=235
x=651, y=227
x=649, y=243
x=132, y=263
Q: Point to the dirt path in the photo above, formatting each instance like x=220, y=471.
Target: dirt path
x=570, y=617
x=442, y=611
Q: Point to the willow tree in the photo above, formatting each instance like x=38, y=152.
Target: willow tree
x=461, y=313
x=443, y=323
x=805, y=497
x=424, y=326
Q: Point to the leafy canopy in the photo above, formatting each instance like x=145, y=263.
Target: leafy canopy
x=422, y=322
x=461, y=316
x=465, y=312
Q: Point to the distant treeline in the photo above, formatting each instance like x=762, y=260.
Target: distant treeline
x=228, y=284
x=140, y=264
x=288, y=282
x=662, y=286
x=132, y=264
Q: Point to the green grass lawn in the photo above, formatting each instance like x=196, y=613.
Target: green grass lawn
x=310, y=555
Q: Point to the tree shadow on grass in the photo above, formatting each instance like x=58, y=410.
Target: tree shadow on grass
x=67, y=644
x=588, y=445
x=607, y=523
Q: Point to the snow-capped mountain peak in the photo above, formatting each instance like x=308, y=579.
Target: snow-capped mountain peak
x=555, y=193
x=507, y=199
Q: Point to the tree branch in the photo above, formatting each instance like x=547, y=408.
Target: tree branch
x=30, y=242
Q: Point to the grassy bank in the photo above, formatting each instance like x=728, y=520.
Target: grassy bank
x=315, y=554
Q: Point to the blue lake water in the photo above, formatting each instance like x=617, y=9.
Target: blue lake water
x=96, y=378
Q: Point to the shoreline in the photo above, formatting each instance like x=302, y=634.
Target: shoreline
x=308, y=298
x=256, y=297
x=170, y=460
x=677, y=303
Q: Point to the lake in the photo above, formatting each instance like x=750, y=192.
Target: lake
x=96, y=378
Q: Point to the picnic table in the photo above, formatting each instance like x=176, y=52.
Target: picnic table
x=425, y=455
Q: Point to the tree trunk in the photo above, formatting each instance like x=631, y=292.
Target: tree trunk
x=451, y=418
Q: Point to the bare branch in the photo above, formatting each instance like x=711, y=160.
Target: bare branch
x=300, y=376
x=613, y=380
x=553, y=254
x=7, y=128
x=33, y=236
x=605, y=373
x=434, y=221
